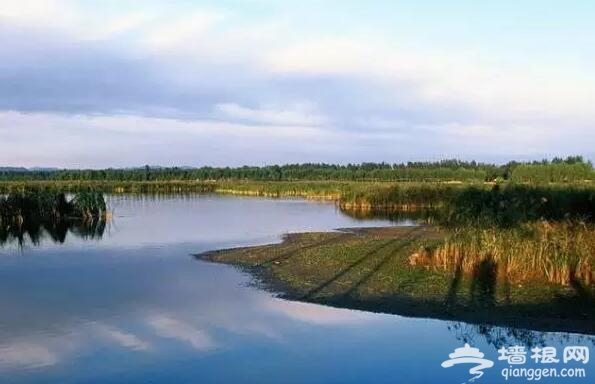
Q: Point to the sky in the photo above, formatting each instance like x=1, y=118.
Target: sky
x=116, y=83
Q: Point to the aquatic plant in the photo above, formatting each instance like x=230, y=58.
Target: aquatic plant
x=57, y=231
x=514, y=204
x=87, y=205
x=557, y=252
x=529, y=232
x=35, y=212
x=483, y=205
x=402, y=196
x=46, y=204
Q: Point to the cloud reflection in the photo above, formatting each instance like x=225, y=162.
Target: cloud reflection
x=125, y=339
x=317, y=314
x=172, y=328
x=26, y=355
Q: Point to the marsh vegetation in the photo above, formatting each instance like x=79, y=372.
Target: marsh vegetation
x=501, y=253
x=530, y=231
x=33, y=213
x=516, y=240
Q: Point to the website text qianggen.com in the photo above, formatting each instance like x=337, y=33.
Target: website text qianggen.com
x=538, y=373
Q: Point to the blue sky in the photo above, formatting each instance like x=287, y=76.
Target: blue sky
x=122, y=83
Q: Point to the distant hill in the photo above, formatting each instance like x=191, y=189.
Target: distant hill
x=43, y=169
x=13, y=169
x=32, y=169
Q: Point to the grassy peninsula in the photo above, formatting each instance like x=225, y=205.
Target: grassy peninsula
x=377, y=269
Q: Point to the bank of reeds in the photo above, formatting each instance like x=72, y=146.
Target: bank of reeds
x=556, y=252
x=319, y=190
x=48, y=205
x=527, y=232
x=486, y=205
x=107, y=186
x=34, y=213
x=513, y=204
x=324, y=190
x=400, y=197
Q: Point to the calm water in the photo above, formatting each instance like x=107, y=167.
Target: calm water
x=133, y=306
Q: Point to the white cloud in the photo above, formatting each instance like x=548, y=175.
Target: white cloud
x=218, y=78
x=90, y=141
x=466, y=79
x=13, y=122
x=323, y=56
x=303, y=114
x=38, y=12
x=119, y=25
x=182, y=33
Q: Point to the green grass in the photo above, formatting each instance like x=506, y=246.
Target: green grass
x=371, y=269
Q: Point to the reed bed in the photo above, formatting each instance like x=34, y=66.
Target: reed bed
x=319, y=190
x=34, y=213
x=107, y=186
x=528, y=231
x=484, y=204
x=514, y=204
x=47, y=205
x=401, y=196
x=525, y=232
x=556, y=252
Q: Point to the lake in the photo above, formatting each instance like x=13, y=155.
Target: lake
x=130, y=304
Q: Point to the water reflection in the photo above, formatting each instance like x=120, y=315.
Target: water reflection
x=498, y=337
x=404, y=216
x=136, y=307
x=189, y=216
x=56, y=231
x=189, y=313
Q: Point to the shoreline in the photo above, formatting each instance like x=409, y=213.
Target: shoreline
x=367, y=268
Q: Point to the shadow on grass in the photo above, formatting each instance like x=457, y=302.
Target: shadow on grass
x=572, y=311
x=291, y=253
x=483, y=297
x=483, y=283
x=453, y=288
x=413, y=235
x=313, y=292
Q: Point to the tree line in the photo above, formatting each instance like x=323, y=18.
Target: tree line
x=570, y=169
